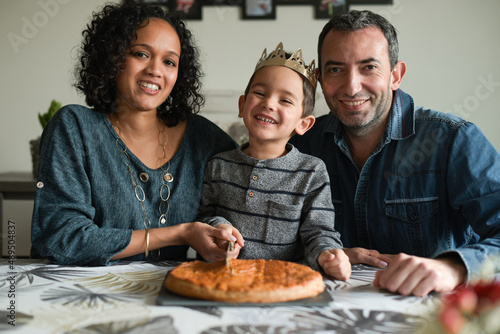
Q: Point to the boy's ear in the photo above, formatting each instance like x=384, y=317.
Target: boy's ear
x=305, y=124
x=241, y=105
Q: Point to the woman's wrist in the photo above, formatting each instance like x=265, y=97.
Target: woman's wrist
x=178, y=234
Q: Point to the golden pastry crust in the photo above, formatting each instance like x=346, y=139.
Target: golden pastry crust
x=245, y=281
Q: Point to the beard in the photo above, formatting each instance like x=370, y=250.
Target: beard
x=363, y=121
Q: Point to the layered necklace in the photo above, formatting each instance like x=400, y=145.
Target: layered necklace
x=166, y=178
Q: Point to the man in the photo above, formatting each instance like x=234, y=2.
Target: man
x=408, y=181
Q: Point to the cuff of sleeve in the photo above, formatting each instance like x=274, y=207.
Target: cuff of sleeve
x=214, y=221
x=105, y=259
x=313, y=256
x=473, y=261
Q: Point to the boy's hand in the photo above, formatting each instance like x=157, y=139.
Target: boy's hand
x=235, y=236
x=335, y=263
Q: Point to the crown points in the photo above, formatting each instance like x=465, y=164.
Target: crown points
x=295, y=62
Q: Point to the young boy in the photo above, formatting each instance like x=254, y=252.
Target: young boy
x=266, y=190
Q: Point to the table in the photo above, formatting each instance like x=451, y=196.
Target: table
x=15, y=186
x=122, y=299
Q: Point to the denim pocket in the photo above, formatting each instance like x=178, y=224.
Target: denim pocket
x=412, y=225
x=282, y=223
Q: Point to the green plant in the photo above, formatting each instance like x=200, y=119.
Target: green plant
x=44, y=118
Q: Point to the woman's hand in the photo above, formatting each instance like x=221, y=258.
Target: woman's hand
x=205, y=240
x=235, y=236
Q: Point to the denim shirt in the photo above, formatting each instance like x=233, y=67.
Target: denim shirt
x=85, y=206
x=431, y=186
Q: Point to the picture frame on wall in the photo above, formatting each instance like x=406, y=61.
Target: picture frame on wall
x=294, y=2
x=151, y=2
x=187, y=9
x=370, y=2
x=259, y=10
x=223, y=2
x=325, y=9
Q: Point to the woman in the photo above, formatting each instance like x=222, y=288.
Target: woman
x=123, y=180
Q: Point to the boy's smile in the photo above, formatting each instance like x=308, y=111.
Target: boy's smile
x=266, y=119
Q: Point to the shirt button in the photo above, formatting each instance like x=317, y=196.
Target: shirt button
x=251, y=194
x=39, y=185
x=254, y=177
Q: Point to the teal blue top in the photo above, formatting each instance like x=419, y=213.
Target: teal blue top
x=85, y=206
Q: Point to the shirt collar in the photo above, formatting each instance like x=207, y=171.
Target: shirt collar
x=290, y=156
x=402, y=118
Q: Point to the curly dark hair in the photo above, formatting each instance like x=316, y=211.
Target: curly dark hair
x=106, y=40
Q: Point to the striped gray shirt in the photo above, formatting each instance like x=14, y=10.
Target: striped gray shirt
x=282, y=206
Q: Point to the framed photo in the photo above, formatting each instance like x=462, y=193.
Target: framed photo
x=222, y=2
x=151, y=2
x=188, y=9
x=325, y=9
x=259, y=9
x=294, y=2
x=370, y=2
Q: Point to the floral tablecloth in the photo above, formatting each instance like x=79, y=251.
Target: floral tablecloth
x=39, y=297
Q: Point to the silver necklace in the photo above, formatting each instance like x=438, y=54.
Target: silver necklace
x=139, y=193
x=166, y=178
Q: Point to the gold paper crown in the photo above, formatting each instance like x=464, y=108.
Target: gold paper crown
x=295, y=62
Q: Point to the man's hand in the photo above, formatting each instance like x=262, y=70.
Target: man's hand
x=413, y=275
x=335, y=263
x=370, y=257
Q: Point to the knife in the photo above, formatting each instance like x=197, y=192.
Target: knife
x=230, y=248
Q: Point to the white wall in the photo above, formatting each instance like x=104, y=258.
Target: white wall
x=451, y=48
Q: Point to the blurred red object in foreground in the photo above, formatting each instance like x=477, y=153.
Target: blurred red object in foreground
x=473, y=308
